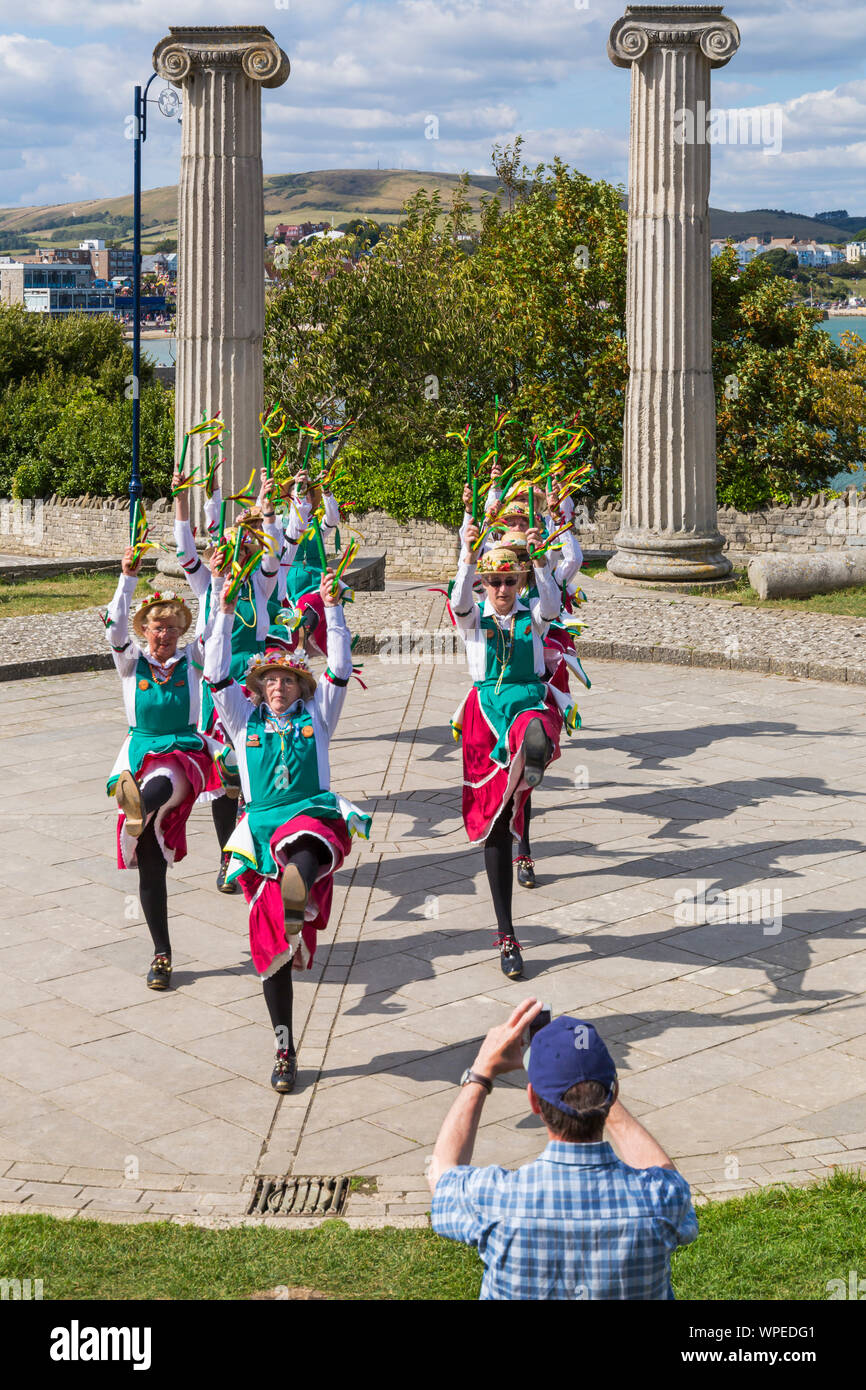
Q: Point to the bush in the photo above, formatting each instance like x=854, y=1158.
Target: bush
x=62, y=435
x=426, y=485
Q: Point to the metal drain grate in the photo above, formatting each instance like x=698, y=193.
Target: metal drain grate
x=299, y=1196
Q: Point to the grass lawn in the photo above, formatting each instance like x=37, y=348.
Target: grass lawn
x=77, y=589
x=850, y=602
x=781, y=1243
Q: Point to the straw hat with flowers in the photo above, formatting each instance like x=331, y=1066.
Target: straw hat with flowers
x=158, y=604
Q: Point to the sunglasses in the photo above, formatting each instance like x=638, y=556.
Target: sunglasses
x=502, y=583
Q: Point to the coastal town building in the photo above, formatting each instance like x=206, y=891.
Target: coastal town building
x=808, y=253
x=56, y=288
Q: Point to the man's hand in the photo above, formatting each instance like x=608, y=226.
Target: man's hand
x=470, y=555
x=496, y=470
x=502, y=1049
x=467, y=498
x=225, y=605
x=126, y=564
x=329, y=591
x=302, y=483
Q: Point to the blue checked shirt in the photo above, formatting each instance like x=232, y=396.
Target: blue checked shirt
x=576, y=1223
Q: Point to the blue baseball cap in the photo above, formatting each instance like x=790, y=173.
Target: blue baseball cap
x=564, y=1053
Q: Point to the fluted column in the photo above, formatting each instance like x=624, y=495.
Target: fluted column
x=668, y=528
x=221, y=296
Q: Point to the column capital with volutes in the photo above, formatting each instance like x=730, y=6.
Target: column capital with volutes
x=644, y=27
x=250, y=49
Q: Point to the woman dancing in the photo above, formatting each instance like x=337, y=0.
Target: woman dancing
x=510, y=720
x=296, y=831
x=165, y=763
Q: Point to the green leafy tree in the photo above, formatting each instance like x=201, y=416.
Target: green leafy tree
x=783, y=426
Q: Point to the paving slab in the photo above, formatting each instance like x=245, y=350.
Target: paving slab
x=688, y=800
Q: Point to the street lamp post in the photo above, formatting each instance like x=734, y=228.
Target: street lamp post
x=168, y=102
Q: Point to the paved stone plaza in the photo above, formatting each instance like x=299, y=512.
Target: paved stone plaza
x=741, y=1043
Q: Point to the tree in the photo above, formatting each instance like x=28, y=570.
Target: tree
x=780, y=261
x=787, y=395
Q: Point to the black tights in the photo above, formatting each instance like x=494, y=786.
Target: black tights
x=523, y=848
x=152, y=892
x=498, y=863
x=225, y=816
x=308, y=855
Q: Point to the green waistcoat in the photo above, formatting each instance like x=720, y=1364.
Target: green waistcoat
x=283, y=770
x=245, y=643
x=510, y=684
x=162, y=716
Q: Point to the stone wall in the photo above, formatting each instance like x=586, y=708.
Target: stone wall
x=73, y=527
x=96, y=527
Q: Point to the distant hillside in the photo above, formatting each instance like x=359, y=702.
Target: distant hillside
x=338, y=194
x=316, y=196
x=756, y=223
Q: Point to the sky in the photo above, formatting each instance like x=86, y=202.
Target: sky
x=367, y=76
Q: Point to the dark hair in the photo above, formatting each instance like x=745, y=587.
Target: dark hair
x=590, y=1097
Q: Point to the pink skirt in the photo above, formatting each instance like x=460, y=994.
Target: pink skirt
x=170, y=822
x=269, y=946
x=487, y=786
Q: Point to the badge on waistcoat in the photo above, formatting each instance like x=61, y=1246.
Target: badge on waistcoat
x=253, y=741
x=528, y=630
x=307, y=731
x=144, y=685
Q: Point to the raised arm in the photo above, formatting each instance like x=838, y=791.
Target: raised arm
x=332, y=511
x=331, y=690
x=233, y=707
x=123, y=649
x=545, y=608
x=463, y=605
x=197, y=575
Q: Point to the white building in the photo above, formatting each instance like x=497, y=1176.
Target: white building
x=856, y=251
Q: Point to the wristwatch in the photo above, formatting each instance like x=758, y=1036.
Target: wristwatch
x=470, y=1075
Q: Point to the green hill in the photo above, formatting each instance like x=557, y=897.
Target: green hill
x=338, y=194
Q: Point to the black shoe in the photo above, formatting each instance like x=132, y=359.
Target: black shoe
x=294, y=893
x=159, y=974
x=221, y=876
x=536, y=752
x=285, y=1072
x=510, y=958
x=525, y=871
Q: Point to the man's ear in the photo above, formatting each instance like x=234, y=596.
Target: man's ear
x=533, y=1100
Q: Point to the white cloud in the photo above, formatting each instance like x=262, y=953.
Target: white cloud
x=367, y=73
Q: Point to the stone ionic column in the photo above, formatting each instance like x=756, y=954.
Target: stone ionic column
x=221, y=296
x=668, y=526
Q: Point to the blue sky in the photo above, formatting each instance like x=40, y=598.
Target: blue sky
x=366, y=75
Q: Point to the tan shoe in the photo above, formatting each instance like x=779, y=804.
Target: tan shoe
x=295, y=894
x=128, y=796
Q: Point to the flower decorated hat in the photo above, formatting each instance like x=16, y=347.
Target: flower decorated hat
x=518, y=507
x=164, y=597
x=503, y=559
x=276, y=658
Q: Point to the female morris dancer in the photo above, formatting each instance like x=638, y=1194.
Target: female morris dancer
x=301, y=566
x=165, y=762
x=256, y=606
x=510, y=721
x=296, y=831
x=560, y=654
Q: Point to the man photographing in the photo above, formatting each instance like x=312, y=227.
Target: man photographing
x=578, y=1222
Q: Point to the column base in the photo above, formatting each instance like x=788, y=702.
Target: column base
x=677, y=556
